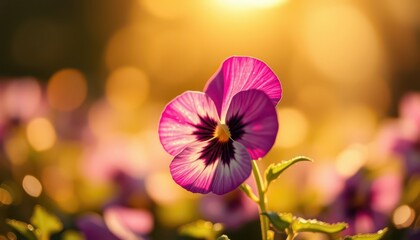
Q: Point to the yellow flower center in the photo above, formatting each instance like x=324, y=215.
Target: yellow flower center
x=222, y=133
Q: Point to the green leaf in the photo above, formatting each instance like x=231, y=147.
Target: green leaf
x=303, y=225
x=280, y=221
x=72, y=235
x=26, y=229
x=223, y=237
x=201, y=229
x=45, y=222
x=274, y=170
x=248, y=191
x=371, y=236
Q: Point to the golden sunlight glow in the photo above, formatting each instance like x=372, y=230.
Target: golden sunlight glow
x=32, y=186
x=161, y=188
x=127, y=88
x=293, y=127
x=347, y=49
x=41, y=134
x=250, y=3
x=350, y=160
x=403, y=216
x=167, y=9
x=59, y=186
x=66, y=89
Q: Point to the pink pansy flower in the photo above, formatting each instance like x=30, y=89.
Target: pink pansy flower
x=214, y=135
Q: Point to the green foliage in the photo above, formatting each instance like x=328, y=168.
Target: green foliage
x=43, y=224
x=303, y=225
x=280, y=221
x=26, y=229
x=371, y=236
x=286, y=222
x=248, y=191
x=270, y=235
x=201, y=229
x=274, y=170
x=72, y=235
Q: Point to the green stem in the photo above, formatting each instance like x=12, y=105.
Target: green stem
x=262, y=203
x=290, y=235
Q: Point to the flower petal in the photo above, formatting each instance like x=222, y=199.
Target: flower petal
x=239, y=74
x=182, y=117
x=252, y=120
x=93, y=227
x=229, y=176
x=193, y=172
x=128, y=223
x=190, y=171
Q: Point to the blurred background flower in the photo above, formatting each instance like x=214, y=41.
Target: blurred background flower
x=83, y=84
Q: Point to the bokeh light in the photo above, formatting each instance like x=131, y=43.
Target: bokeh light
x=5, y=197
x=32, y=186
x=127, y=88
x=67, y=89
x=335, y=46
x=16, y=149
x=351, y=160
x=403, y=216
x=41, y=134
x=22, y=98
x=83, y=85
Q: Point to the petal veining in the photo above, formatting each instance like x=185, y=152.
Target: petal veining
x=193, y=171
x=229, y=176
x=252, y=120
x=238, y=74
x=190, y=171
x=189, y=117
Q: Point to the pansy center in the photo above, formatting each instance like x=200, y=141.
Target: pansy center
x=222, y=133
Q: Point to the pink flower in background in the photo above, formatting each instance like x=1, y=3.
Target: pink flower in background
x=402, y=136
x=365, y=203
x=118, y=223
x=215, y=135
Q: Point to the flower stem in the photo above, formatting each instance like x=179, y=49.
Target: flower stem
x=262, y=203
